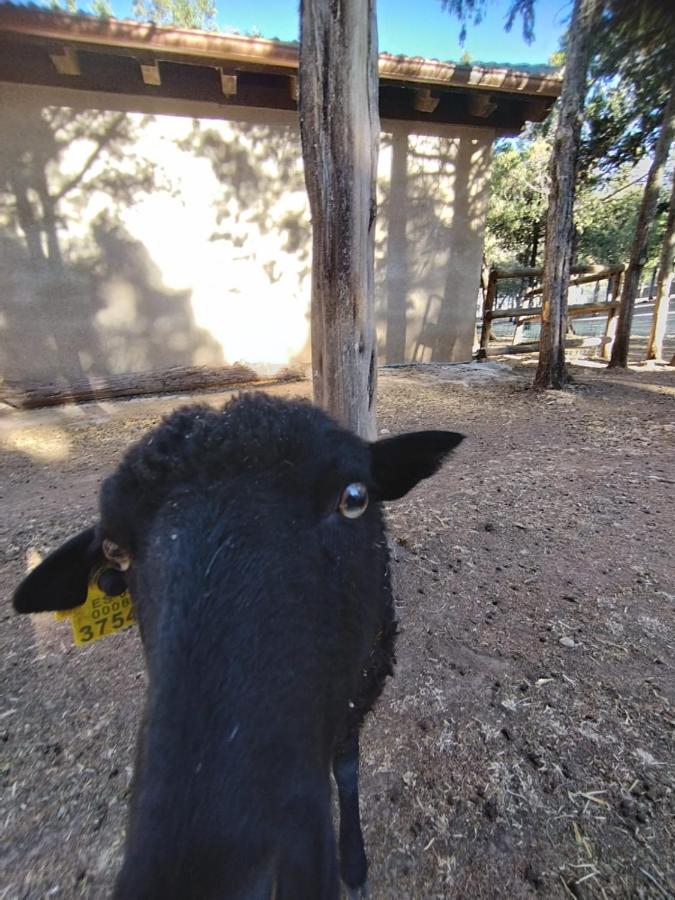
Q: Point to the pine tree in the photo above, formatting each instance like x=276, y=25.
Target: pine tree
x=637, y=259
x=662, y=299
x=552, y=369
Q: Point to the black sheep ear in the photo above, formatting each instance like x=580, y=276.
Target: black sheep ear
x=61, y=581
x=398, y=463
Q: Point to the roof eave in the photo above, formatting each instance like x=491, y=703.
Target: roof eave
x=168, y=42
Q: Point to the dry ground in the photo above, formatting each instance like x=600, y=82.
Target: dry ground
x=525, y=747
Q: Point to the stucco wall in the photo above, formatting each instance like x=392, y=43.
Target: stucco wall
x=136, y=235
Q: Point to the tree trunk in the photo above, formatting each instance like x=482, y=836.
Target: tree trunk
x=552, y=371
x=645, y=221
x=662, y=299
x=339, y=125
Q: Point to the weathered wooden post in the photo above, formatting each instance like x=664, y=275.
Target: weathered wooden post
x=340, y=129
x=488, y=306
x=612, y=318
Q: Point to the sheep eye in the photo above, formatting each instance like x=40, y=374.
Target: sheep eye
x=353, y=500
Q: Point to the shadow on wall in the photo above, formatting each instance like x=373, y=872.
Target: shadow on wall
x=434, y=201
x=133, y=243
x=260, y=243
x=81, y=298
x=146, y=242
x=256, y=173
x=145, y=323
x=95, y=321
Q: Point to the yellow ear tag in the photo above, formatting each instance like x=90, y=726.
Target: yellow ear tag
x=100, y=615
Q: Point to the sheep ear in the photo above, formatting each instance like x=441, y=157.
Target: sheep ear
x=398, y=463
x=61, y=580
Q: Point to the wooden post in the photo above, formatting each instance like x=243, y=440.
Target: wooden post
x=612, y=319
x=484, y=278
x=518, y=332
x=488, y=306
x=339, y=126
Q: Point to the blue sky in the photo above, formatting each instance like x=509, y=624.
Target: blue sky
x=412, y=27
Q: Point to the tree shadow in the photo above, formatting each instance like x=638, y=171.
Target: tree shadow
x=261, y=241
x=44, y=308
x=432, y=202
x=429, y=247
x=144, y=322
x=96, y=207
x=82, y=299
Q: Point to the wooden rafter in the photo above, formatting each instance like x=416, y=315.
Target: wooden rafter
x=425, y=101
x=150, y=73
x=65, y=61
x=481, y=105
x=228, y=83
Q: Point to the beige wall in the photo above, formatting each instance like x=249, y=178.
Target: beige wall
x=141, y=234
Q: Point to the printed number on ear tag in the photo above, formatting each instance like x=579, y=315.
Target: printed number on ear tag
x=100, y=615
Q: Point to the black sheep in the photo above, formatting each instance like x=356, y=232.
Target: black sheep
x=253, y=545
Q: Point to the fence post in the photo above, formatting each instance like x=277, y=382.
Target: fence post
x=488, y=306
x=612, y=319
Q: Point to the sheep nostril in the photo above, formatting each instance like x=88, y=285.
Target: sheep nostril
x=112, y=582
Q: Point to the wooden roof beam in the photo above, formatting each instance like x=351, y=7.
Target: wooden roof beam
x=535, y=111
x=228, y=84
x=66, y=61
x=481, y=105
x=151, y=74
x=425, y=101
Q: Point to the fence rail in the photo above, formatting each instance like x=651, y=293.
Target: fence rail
x=587, y=275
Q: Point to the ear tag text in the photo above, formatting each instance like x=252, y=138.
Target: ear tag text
x=100, y=615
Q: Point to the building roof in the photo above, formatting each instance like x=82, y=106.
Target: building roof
x=46, y=47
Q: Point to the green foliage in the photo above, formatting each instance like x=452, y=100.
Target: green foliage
x=473, y=11
x=605, y=221
x=69, y=6
x=631, y=73
x=519, y=198
x=635, y=40
x=605, y=212
x=183, y=13
x=632, y=65
x=606, y=226
x=102, y=9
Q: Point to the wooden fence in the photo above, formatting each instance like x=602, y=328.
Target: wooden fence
x=522, y=314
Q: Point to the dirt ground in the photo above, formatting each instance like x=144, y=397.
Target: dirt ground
x=525, y=747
